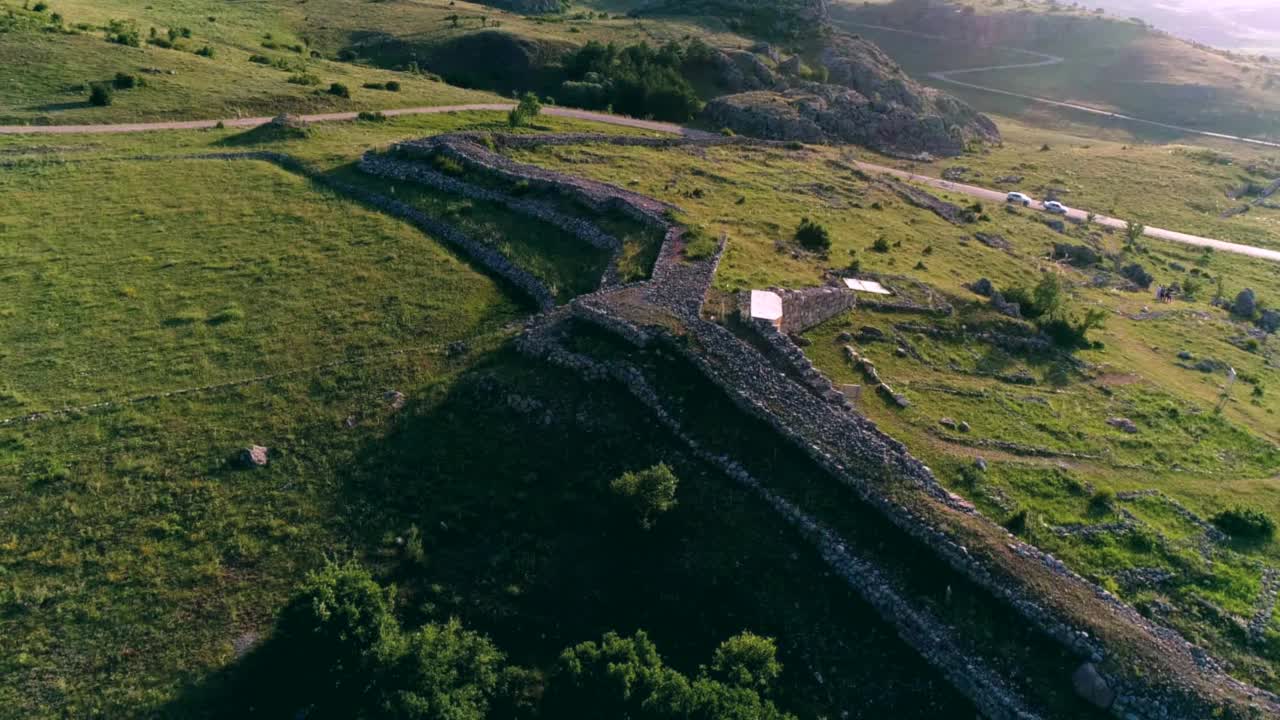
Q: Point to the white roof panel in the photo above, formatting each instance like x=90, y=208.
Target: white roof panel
x=766, y=305
x=866, y=286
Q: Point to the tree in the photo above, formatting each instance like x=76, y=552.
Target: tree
x=650, y=492
x=340, y=632
x=813, y=236
x=528, y=109
x=1133, y=232
x=1048, y=296
x=747, y=660
x=1246, y=304
x=100, y=94
x=444, y=671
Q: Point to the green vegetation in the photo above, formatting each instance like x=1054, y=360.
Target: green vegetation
x=525, y=111
x=813, y=236
x=636, y=80
x=650, y=492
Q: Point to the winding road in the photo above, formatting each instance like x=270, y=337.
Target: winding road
x=970, y=190
x=1044, y=60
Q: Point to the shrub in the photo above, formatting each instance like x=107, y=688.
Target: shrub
x=304, y=79
x=1017, y=523
x=339, y=90
x=698, y=243
x=1246, y=304
x=124, y=81
x=375, y=116
x=1137, y=274
x=529, y=108
x=447, y=165
x=1102, y=500
x=727, y=132
x=260, y=59
x=393, y=85
x=649, y=492
x=880, y=245
x=100, y=94
x=40, y=6
x=374, y=86
x=1245, y=524
x=813, y=236
x=747, y=660
x=205, y=51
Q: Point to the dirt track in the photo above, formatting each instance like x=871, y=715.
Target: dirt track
x=971, y=190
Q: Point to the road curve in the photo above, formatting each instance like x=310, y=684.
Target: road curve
x=1043, y=60
x=971, y=190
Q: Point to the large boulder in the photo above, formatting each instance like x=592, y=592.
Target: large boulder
x=1092, y=687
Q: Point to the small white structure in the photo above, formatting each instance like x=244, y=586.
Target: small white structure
x=866, y=286
x=766, y=305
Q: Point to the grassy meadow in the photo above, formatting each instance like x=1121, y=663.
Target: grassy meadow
x=140, y=564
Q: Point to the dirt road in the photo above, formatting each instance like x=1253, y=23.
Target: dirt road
x=971, y=190
x=332, y=117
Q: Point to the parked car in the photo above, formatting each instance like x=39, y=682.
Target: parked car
x=1055, y=207
x=1017, y=197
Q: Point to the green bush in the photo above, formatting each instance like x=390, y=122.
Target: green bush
x=100, y=94
x=1102, y=500
x=813, y=236
x=375, y=116
x=374, y=86
x=304, y=79
x=40, y=6
x=1017, y=523
x=393, y=85
x=649, y=492
x=260, y=59
x=339, y=90
x=880, y=245
x=528, y=109
x=205, y=51
x=124, y=81
x=1245, y=524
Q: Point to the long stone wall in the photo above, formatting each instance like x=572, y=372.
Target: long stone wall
x=918, y=627
x=852, y=450
x=805, y=309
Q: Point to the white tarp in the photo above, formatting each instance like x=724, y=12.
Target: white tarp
x=766, y=305
x=866, y=286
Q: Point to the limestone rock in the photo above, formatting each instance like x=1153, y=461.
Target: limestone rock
x=1090, y=686
x=1123, y=424
x=254, y=456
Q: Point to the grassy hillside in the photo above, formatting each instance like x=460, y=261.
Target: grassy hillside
x=1109, y=63
x=141, y=563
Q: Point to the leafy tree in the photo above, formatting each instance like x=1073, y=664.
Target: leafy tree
x=528, y=109
x=340, y=90
x=813, y=236
x=650, y=492
x=443, y=671
x=747, y=660
x=1048, y=296
x=1133, y=232
x=341, y=631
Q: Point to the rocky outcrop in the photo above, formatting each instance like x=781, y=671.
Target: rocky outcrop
x=868, y=100
x=768, y=18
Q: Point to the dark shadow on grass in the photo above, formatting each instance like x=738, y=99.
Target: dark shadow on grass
x=60, y=106
x=262, y=134
x=505, y=475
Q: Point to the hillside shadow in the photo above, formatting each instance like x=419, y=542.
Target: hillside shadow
x=60, y=106
x=263, y=134
x=503, y=478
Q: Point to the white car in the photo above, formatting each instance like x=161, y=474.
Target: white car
x=1017, y=197
x=1055, y=207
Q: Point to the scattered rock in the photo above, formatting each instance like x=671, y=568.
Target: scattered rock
x=965, y=427
x=1090, y=686
x=868, y=333
x=948, y=423
x=980, y=463
x=1057, y=225
x=395, y=399
x=456, y=348
x=992, y=240
x=1207, y=366
x=1270, y=321
x=1077, y=255
x=1004, y=307
x=955, y=173
x=1009, y=180
x=1123, y=424
x=254, y=456
x=983, y=287
x=1186, y=355
x=844, y=337
x=900, y=351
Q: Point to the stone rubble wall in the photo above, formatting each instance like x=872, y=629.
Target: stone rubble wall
x=808, y=308
x=847, y=446
x=919, y=628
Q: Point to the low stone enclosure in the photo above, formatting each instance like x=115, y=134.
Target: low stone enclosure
x=1124, y=665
